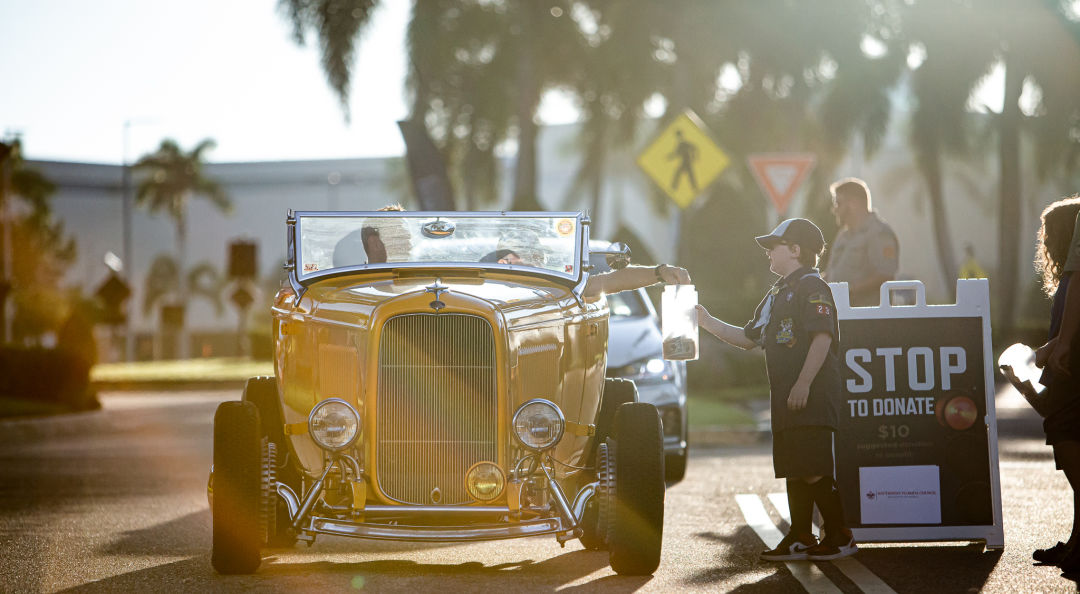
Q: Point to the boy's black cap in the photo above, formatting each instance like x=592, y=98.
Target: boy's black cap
x=798, y=231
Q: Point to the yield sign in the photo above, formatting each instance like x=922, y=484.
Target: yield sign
x=780, y=175
x=683, y=159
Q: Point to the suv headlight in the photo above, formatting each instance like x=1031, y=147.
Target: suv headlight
x=653, y=370
x=539, y=424
x=334, y=424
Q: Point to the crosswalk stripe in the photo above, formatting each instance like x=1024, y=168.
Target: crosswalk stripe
x=808, y=574
x=865, y=579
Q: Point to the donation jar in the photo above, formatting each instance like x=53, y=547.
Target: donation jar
x=679, y=322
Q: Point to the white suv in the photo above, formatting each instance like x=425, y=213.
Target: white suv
x=634, y=353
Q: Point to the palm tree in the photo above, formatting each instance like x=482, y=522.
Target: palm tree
x=1029, y=34
x=477, y=72
x=1019, y=36
x=173, y=178
x=163, y=282
x=338, y=25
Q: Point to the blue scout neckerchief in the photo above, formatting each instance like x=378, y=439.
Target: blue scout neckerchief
x=766, y=308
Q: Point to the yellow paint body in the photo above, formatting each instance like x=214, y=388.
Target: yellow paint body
x=547, y=345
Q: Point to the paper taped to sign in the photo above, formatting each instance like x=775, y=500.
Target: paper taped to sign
x=900, y=494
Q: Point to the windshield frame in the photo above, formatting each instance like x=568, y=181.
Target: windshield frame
x=301, y=281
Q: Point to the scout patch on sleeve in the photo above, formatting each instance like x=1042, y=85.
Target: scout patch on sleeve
x=821, y=304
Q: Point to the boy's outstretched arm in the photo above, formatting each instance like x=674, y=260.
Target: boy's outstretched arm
x=732, y=335
x=815, y=357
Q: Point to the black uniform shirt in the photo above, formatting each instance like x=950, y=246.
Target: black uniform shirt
x=802, y=305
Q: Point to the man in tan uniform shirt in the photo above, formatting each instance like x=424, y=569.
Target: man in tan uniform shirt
x=865, y=252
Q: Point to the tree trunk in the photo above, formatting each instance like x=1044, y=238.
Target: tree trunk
x=931, y=170
x=599, y=151
x=528, y=98
x=1008, y=198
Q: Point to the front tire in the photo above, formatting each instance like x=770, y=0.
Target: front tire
x=638, y=526
x=238, y=457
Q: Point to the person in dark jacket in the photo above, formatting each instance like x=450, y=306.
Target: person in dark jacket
x=797, y=326
x=1057, y=257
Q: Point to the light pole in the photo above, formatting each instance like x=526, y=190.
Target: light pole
x=126, y=207
x=129, y=342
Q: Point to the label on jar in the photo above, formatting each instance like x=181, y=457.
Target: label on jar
x=679, y=347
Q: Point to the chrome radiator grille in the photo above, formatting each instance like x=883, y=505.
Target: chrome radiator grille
x=437, y=405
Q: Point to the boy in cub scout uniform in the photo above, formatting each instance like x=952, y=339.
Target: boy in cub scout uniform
x=796, y=324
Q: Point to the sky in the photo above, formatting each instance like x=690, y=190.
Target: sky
x=74, y=72
x=80, y=78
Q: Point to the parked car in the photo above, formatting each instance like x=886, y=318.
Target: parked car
x=634, y=353
x=439, y=377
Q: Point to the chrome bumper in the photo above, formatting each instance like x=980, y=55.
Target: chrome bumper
x=436, y=533
x=407, y=522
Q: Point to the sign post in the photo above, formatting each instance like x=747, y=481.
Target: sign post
x=243, y=268
x=683, y=160
x=916, y=452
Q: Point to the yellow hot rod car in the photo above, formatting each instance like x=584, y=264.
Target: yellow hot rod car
x=439, y=377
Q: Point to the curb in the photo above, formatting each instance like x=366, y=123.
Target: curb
x=726, y=435
x=166, y=385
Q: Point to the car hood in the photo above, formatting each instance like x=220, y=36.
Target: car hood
x=632, y=339
x=345, y=300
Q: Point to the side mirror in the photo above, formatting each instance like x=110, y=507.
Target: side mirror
x=617, y=255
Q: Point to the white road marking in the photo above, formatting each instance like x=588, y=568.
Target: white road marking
x=856, y=572
x=808, y=574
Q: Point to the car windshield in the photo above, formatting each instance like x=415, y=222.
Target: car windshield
x=544, y=242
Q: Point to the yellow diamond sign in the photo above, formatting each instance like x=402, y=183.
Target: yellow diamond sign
x=683, y=160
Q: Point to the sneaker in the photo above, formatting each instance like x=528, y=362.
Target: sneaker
x=792, y=548
x=833, y=548
x=1051, y=556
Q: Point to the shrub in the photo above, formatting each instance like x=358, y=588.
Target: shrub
x=54, y=376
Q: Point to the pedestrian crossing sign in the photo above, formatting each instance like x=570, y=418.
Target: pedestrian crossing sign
x=683, y=160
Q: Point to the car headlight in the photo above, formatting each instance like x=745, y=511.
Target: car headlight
x=334, y=424
x=647, y=371
x=539, y=424
x=485, y=481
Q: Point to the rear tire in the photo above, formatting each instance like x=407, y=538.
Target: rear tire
x=675, y=467
x=638, y=526
x=263, y=393
x=617, y=391
x=238, y=457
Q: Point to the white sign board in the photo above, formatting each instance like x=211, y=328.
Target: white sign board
x=900, y=494
x=916, y=450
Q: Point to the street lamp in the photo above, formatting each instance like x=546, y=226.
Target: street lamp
x=129, y=344
x=126, y=211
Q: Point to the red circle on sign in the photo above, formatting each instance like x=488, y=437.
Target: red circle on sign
x=960, y=413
